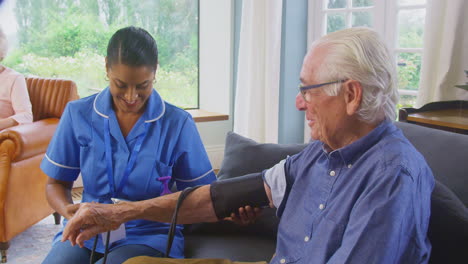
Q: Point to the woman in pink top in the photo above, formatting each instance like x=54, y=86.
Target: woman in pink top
x=15, y=107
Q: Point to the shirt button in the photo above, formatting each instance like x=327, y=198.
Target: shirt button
x=321, y=206
x=282, y=261
x=350, y=165
x=306, y=239
x=332, y=173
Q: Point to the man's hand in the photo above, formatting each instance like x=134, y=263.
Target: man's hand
x=90, y=220
x=247, y=215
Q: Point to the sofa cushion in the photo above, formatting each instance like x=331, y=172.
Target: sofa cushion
x=448, y=227
x=445, y=152
x=243, y=155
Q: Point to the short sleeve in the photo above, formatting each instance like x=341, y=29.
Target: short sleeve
x=62, y=159
x=20, y=101
x=275, y=178
x=290, y=167
x=192, y=166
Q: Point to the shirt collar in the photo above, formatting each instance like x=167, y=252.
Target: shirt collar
x=155, y=107
x=354, y=150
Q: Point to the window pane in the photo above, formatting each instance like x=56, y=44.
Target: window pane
x=335, y=22
x=336, y=4
x=363, y=3
x=406, y=101
x=411, y=2
x=409, y=69
x=362, y=19
x=46, y=45
x=410, y=28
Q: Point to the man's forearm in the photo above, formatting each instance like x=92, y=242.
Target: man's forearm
x=197, y=207
x=93, y=218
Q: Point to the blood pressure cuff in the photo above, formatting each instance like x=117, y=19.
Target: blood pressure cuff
x=231, y=194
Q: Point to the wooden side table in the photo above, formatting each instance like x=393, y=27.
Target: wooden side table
x=446, y=115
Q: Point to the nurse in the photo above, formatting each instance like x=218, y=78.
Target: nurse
x=127, y=143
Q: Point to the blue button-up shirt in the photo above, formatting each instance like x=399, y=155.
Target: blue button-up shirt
x=368, y=202
x=171, y=147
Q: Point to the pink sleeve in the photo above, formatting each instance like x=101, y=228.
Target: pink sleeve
x=20, y=101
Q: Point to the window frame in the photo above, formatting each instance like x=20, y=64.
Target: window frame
x=387, y=25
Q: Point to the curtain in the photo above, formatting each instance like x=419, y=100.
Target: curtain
x=445, y=52
x=256, y=106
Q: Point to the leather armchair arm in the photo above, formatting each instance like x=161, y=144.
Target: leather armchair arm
x=28, y=139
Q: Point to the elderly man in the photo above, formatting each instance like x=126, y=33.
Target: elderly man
x=358, y=193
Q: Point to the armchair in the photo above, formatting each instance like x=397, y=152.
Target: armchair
x=22, y=183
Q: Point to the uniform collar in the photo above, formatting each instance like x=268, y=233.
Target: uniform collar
x=353, y=151
x=155, y=107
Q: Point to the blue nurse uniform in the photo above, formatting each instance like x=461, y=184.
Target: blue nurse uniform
x=171, y=147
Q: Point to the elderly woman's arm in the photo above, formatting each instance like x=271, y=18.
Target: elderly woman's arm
x=7, y=122
x=20, y=101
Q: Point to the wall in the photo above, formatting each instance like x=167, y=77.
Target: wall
x=216, y=71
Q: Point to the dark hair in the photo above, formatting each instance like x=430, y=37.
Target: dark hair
x=132, y=46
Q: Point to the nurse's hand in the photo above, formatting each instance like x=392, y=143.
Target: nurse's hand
x=90, y=220
x=71, y=210
x=246, y=216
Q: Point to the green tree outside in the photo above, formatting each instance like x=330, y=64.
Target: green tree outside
x=75, y=47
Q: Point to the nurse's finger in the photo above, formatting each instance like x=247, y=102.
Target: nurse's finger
x=250, y=214
x=246, y=215
x=258, y=212
x=88, y=233
x=71, y=237
x=73, y=226
x=243, y=216
x=80, y=219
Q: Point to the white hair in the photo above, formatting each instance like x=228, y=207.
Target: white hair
x=360, y=54
x=3, y=45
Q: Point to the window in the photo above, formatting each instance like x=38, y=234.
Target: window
x=44, y=43
x=400, y=22
x=408, y=48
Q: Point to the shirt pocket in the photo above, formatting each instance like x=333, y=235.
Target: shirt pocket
x=155, y=186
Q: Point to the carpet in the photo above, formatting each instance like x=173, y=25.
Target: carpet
x=32, y=245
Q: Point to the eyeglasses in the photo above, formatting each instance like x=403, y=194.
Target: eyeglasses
x=306, y=96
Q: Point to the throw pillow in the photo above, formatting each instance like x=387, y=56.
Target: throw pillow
x=244, y=156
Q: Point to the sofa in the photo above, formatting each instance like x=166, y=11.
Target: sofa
x=22, y=183
x=445, y=152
